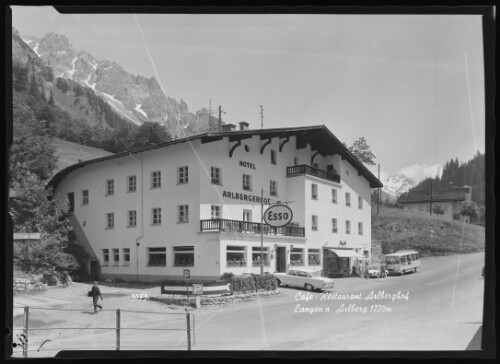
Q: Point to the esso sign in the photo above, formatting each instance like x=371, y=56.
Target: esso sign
x=278, y=215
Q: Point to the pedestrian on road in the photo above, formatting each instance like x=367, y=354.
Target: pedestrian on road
x=366, y=270
x=96, y=293
x=382, y=269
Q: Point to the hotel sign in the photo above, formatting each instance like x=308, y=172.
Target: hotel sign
x=278, y=215
x=245, y=197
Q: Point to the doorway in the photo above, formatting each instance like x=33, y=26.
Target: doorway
x=281, y=259
x=71, y=200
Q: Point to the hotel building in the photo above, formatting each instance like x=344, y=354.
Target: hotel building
x=195, y=203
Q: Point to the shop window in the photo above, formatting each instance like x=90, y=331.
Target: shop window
x=297, y=256
x=110, y=187
x=132, y=184
x=126, y=256
x=157, y=257
x=313, y=257
x=156, y=179
x=236, y=256
x=182, y=175
x=116, y=257
x=105, y=257
x=256, y=257
x=184, y=256
x=216, y=176
x=85, y=197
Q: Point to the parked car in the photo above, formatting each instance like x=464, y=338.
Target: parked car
x=308, y=279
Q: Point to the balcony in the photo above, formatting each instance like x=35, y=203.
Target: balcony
x=248, y=227
x=301, y=169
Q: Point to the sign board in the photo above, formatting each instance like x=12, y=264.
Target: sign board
x=197, y=288
x=187, y=274
x=278, y=215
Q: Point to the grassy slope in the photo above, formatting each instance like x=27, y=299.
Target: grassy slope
x=70, y=153
x=398, y=229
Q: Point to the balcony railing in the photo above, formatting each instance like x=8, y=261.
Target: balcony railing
x=305, y=169
x=248, y=227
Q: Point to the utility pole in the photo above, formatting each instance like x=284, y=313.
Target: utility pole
x=378, y=194
x=261, y=231
x=220, y=118
x=430, y=208
x=261, y=117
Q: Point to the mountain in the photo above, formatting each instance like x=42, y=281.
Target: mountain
x=135, y=98
x=398, y=184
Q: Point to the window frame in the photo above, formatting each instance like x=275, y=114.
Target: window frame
x=182, y=214
x=155, y=179
x=182, y=175
x=360, y=228
x=85, y=198
x=157, y=252
x=314, y=252
x=156, y=216
x=348, y=199
x=218, y=210
x=126, y=253
x=177, y=250
x=216, y=175
x=110, y=223
x=314, y=222
x=274, y=157
x=116, y=253
x=335, y=225
x=243, y=251
x=247, y=182
x=256, y=251
x=105, y=257
x=314, y=186
x=335, y=196
x=360, y=202
x=131, y=182
x=297, y=262
x=273, y=188
x=348, y=227
x=110, y=187
x=131, y=213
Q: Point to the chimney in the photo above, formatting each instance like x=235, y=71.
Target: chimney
x=243, y=125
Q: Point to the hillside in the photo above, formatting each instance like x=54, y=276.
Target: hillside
x=397, y=229
x=69, y=153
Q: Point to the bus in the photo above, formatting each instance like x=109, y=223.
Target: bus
x=402, y=261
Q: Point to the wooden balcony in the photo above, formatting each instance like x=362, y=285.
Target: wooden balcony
x=301, y=169
x=249, y=227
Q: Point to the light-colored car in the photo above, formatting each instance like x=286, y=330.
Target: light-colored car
x=308, y=279
x=374, y=272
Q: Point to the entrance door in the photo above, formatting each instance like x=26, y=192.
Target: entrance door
x=94, y=273
x=281, y=259
x=71, y=199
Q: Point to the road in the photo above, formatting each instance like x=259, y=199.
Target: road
x=438, y=308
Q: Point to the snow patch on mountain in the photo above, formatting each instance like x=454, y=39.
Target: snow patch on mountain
x=120, y=108
x=138, y=109
x=35, y=49
x=87, y=82
x=398, y=184
x=93, y=64
x=71, y=72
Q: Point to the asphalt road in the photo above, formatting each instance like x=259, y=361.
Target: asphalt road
x=438, y=308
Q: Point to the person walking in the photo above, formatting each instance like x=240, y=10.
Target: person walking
x=95, y=294
x=367, y=268
x=382, y=270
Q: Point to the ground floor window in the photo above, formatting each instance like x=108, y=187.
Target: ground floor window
x=297, y=256
x=116, y=257
x=313, y=257
x=183, y=256
x=235, y=256
x=157, y=257
x=105, y=256
x=256, y=256
x=126, y=256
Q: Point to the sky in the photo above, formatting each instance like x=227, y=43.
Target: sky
x=412, y=85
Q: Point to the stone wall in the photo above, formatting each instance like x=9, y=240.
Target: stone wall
x=23, y=285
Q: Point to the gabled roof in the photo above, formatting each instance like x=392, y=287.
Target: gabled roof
x=319, y=137
x=448, y=195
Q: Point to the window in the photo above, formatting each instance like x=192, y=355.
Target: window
x=105, y=257
x=314, y=191
x=132, y=218
x=215, y=212
x=314, y=226
x=295, y=161
x=348, y=199
x=157, y=257
x=273, y=156
x=85, y=197
x=110, y=220
x=297, y=256
x=156, y=179
x=256, y=257
x=182, y=175
x=334, y=225
x=126, y=256
x=184, y=256
x=216, y=176
x=360, y=228
x=156, y=216
x=334, y=195
x=132, y=184
x=313, y=257
x=247, y=215
x=235, y=256
x=360, y=202
x=273, y=188
x=247, y=182
x=71, y=202
x=183, y=213
x=347, y=227
x=110, y=187
x=116, y=257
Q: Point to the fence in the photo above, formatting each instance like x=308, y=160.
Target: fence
x=187, y=319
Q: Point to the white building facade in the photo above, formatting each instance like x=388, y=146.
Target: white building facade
x=195, y=203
